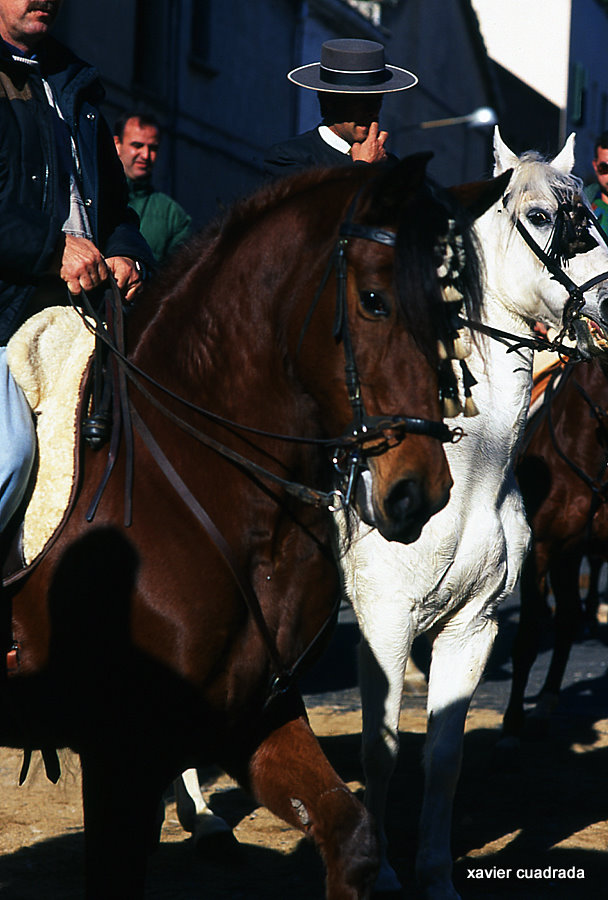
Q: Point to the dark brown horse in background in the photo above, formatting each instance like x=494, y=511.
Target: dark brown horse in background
x=563, y=476
x=142, y=648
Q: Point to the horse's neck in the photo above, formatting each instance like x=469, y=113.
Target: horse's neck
x=504, y=381
x=223, y=360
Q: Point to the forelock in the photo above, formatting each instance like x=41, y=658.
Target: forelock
x=535, y=177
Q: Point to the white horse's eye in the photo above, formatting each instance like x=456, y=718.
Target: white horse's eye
x=539, y=218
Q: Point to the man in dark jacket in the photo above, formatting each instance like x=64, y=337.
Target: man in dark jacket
x=351, y=80
x=64, y=218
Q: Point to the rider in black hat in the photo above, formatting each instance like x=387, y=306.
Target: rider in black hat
x=350, y=81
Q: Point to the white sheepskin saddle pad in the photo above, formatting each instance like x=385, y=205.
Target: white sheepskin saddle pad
x=48, y=357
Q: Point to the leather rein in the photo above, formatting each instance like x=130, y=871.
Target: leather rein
x=354, y=443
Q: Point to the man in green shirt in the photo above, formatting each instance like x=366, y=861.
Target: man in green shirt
x=597, y=193
x=163, y=222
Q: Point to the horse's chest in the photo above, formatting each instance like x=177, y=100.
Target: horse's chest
x=459, y=558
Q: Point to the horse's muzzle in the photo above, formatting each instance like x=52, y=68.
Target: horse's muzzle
x=591, y=336
x=404, y=511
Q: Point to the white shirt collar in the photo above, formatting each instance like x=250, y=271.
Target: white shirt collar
x=334, y=140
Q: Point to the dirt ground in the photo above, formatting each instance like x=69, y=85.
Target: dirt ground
x=548, y=813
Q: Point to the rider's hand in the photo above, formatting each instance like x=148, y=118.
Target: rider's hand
x=372, y=148
x=80, y=264
x=127, y=276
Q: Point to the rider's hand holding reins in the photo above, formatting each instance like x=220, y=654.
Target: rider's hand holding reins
x=82, y=266
x=127, y=275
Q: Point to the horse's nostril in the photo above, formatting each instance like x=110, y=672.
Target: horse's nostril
x=404, y=500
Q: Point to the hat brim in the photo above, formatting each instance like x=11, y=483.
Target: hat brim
x=309, y=77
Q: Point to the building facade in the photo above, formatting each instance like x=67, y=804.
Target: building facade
x=213, y=71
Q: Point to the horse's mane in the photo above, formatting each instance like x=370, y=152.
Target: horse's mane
x=200, y=251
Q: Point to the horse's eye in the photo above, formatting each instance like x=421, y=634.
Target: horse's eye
x=374, y=304
x=539, y=218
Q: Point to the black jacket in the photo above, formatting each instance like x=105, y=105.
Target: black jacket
x=305, y=151
x=34, y=201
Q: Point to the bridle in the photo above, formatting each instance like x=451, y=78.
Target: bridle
x=360, y=440
x=365, y=437
x=570, y=237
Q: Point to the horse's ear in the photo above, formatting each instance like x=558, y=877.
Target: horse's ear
x=478, y=196
x=503, y=157
x=564, y=161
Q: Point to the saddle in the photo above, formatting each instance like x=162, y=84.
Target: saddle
x=49, y=357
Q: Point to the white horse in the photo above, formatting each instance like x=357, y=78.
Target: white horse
x=450, y=582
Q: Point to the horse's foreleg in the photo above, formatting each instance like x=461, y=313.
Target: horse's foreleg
x=290, y=775
x=568, y=617
x=533, y=610
x=460, y=653
x=383, y=654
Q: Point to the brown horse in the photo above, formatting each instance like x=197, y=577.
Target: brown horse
x=562, y=476
x=176, y=641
